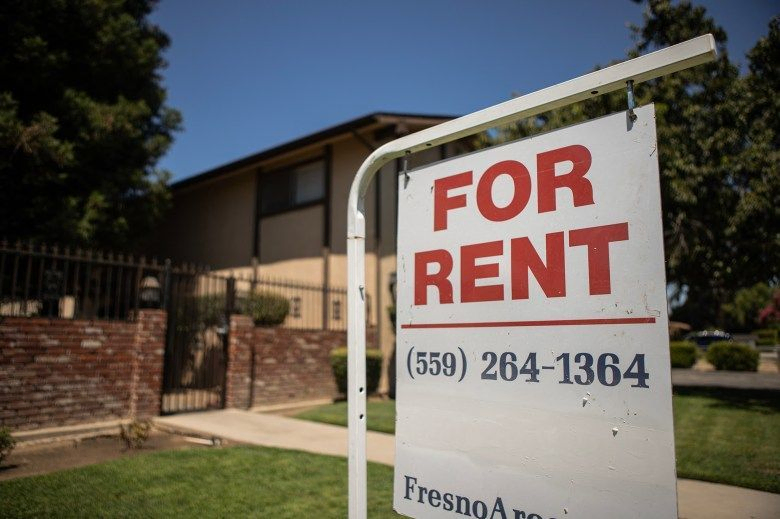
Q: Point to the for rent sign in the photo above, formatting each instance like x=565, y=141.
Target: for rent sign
x=532, y=352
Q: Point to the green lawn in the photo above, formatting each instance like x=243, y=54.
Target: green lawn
x=380, y=415
x=722, y=435
x=728, y=436
x=230, y=482
x=725, y=436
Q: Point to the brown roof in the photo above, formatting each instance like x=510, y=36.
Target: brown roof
x=327, y=133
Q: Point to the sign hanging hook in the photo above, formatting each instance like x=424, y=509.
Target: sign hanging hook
x=406, y=168
x=630, y=99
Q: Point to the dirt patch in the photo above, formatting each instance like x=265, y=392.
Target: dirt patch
x=60, y=455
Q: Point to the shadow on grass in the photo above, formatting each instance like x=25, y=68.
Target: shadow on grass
x=758, y=400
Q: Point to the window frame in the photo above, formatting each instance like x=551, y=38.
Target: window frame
x=289, y=170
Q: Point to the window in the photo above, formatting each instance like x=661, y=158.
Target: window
x=297, y=186
x=337, y=310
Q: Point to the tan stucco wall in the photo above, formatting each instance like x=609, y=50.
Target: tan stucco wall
x=348, y=155
x=211, y=223
x=292, y=235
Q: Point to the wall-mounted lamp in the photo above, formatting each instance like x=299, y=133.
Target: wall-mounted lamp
x=149, y=292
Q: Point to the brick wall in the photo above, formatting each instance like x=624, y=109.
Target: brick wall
x=61, y=372
x=293, y=365
x=239, y=362
x=149, y=361
x=280, y=365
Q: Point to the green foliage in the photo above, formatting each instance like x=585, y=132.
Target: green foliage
x=7, y=443
x=338, y=360
x=135, y=433
x=770, y=314
x=682, y=354
x=742, y=312
x=728, y=436
x=380, y=415
x=718, y=146
x=266, y=308
x=766, y=337
x=732, y=356
x=83, y=121
x=210, y=309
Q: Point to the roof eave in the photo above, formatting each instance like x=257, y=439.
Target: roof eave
x=307, y=140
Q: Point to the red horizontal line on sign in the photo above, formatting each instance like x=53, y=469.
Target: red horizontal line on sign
x=551, y=322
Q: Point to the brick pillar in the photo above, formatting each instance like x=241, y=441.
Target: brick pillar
x=238, y=378
x=148, y=359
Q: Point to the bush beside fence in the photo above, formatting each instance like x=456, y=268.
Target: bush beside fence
x=682, y=354
x=732, y=356
x=338, y=360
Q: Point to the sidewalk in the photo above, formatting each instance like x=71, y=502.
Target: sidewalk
x=726, y=379
x=696, y=499
x=271, y=430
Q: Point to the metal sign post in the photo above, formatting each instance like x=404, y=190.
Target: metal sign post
x=666, y=61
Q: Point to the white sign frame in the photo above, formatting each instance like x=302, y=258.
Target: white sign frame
x=665, y=61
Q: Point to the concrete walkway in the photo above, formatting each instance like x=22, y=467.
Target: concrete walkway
x=271, y=430
x=696, y=499
x=726, y=379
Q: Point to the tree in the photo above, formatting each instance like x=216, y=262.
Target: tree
x=83, y=121
x=769, y=316
x=743, y=313
x=717, y=136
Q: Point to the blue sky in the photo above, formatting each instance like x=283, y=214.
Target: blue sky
x=248, y=75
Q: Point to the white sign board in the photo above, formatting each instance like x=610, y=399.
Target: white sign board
x=533, y=376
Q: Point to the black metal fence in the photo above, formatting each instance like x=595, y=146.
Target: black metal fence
x=312, y=306
x=42, y=281
x=199, y=307
x=48, y=281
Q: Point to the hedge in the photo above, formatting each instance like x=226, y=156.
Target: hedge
x=682, y=354
x=732, y=356
x=266, y=308
x=210, y=310
x=766, y=337
x=338, y=360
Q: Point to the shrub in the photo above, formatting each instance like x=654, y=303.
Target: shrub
x=7, y=443
x=682, y=354
x=732, y=356
x=338, y=360
x=211, y=309
x=135, y=433
x=266, y=308
x=766, y=337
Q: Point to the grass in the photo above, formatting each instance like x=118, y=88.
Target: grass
x=728, y=436
x=721, y=435
x=725, y=436
x=231, y=482
x=380, y=415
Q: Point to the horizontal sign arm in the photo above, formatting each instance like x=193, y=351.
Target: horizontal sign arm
x=672, y=59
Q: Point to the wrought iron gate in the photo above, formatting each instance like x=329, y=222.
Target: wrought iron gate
x=199, y=307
